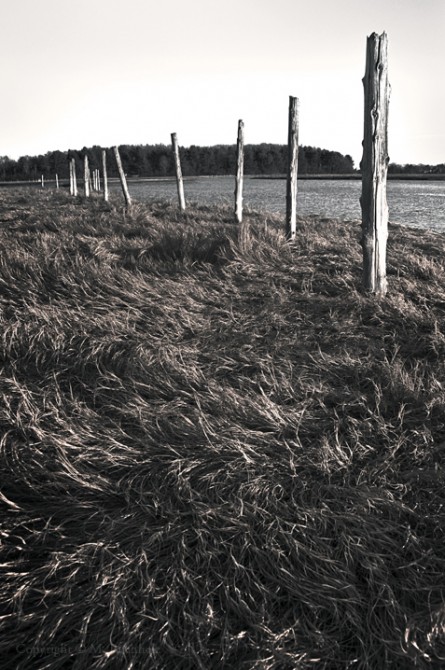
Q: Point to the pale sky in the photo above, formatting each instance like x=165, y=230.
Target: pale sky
x=106, y=72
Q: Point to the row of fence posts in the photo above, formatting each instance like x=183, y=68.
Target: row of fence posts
x=374, y=168
x=93, y=181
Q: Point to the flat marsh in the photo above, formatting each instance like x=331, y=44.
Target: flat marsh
x=213, y=455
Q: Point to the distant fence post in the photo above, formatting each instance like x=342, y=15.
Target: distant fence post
x=292, y=173
x=86, y=176
x=70, y=165
x=57, y=181
x=73, y=177
x=122, y=177
x=42, y=180
x=374, y=165
x=239, y=172
x=105, y=174
x=179, y=181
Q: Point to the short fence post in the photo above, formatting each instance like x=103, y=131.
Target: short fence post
x=374, y=165
x=42, y=180
x=179, y=181
x=57, y=181
x=104, y=170
x=291, y=191
x=70, y=165
x=239, y=172
x=86, y=176
x=122, y=177
x=73, y=176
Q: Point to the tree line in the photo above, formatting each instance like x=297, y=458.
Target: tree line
x=157, y=161
x=411, y=168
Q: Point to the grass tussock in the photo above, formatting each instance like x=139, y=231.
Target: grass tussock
x=217, y=452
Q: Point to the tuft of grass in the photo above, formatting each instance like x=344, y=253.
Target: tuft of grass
x=215, y=450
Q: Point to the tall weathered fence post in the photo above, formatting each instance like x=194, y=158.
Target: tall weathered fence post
x=374, y=165
x=179, y=182
x=291, y=192
x=86, y=176
x=239, y=172
x=122, y=177
x=105, y=174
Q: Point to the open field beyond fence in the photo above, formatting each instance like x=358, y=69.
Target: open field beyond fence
x=213, y=458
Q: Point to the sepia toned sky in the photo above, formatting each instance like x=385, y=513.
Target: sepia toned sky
x=107, y=72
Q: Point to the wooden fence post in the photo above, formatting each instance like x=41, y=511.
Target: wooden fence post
x=374, y=165
x=104, y=170
x=73, y=176
x=57, y=181
x=122, y=177
x=70, y=165
x=86, y=176
x=291, y=191
x=179, y=182
x=42, y=181
x=239, y=172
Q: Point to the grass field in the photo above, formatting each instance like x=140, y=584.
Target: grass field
x=213, y=456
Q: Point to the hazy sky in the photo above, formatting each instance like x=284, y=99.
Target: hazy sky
x=111, y=72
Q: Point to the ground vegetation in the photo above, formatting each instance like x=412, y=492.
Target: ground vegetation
x=217, y=455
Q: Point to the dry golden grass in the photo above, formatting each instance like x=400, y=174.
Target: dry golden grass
x=214, y=457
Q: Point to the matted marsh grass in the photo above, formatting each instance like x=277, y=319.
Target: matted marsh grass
x=213, y=457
